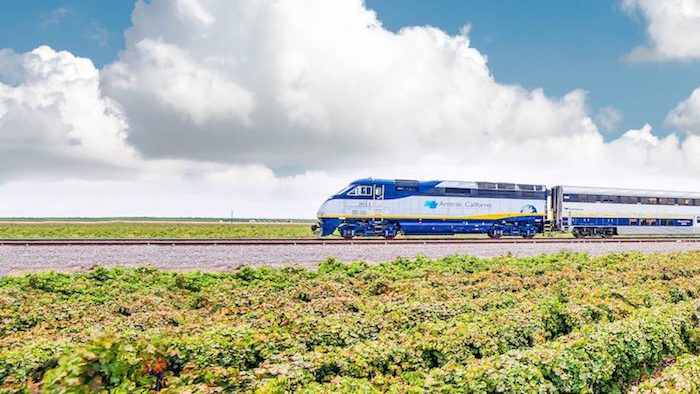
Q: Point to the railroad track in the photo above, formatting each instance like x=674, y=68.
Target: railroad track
x=334, y=241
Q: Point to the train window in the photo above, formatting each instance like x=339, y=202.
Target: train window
x=454, y=190
x=610, y=199
x=361, y=191
x=698, y=219
x=527, y=187
x=697, y=202
x=628, y=199
x=649, y=222
x=685, y=201
x=406, y=185
x=666, y=222
x=667, y=201
x=486, y=185
x=506, y=186
x=650, y=200
x=404, y=188
x=633, y=222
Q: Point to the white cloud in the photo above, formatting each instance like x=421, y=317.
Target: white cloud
x=673, y=29
x=268, y=107
x=53, y=118
x=55, y=16
x=98, y=34
x=250, y=191
x=686, y=115
x=282, y=83
x=608, y=118
x=175, y=84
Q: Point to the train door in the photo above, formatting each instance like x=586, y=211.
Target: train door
x=557, y=203
x=378, y=202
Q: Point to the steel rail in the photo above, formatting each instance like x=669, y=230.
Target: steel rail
x=328, y=241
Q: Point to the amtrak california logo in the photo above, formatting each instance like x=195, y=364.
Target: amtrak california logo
x=432, y=204
x=528, y=209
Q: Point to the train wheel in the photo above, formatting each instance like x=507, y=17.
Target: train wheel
x=390, y=232
x=347, y=233
x=494, y=234
x=528, y=236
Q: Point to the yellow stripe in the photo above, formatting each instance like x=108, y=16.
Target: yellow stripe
x=489, y=216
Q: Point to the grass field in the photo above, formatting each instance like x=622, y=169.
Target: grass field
x=155, y=230
x=558, y=323
x=187, y=229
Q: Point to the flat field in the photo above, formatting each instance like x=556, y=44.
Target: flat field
x=554, y=323
x=154, y=230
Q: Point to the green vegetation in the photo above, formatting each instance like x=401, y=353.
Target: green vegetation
x=155, y=230
x=554, y=323
x=683, y=376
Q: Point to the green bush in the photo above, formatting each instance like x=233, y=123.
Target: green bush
x=557, y=323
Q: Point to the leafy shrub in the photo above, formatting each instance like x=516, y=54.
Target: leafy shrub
x=566, y=322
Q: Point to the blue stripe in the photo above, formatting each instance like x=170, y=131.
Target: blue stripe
x=602, y=221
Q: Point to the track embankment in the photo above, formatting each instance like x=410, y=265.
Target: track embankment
x=331, y=241
x=22, y=256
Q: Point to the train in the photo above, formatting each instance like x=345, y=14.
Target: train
x=371, y=207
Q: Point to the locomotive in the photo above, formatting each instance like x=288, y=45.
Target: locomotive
x=387, y=207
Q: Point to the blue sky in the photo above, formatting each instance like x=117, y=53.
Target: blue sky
x=556, y=45
x=560, y=46
x=267, y=107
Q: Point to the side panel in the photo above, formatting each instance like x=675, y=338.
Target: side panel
x=435, y=207
x=631, y=218
x=420, y=214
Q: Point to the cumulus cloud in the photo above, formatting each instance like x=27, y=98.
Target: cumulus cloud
x=686, y=115
x=673, y=29
x=266, y=108
x=53, y=118
x=608, y=118
x=278, y=83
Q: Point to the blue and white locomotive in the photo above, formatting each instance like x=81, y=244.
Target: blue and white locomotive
x=385, y=207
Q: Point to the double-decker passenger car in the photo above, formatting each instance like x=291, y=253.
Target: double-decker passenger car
x=587, y=211
x=385, y=207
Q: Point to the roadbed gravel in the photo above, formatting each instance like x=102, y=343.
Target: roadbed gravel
x=17, y=260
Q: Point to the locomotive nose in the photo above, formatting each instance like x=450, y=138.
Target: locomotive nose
x=323, y=209
x=317, y=227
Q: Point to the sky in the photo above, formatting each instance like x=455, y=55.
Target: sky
x=200, y=107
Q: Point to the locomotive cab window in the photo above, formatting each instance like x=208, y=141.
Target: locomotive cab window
x=364, y=191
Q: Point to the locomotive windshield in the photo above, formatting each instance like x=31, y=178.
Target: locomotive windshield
x=345, y=189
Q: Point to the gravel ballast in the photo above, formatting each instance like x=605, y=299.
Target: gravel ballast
x=16, y=260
